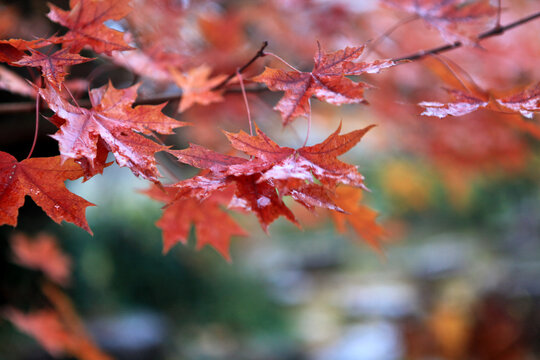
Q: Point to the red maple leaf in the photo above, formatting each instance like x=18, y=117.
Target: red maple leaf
x=42, y=179
x=85, y=22
x=306, y=163
x=213, y=226
x=112, y=124
x=253, y=195
x=308, y=174
x=449, y=16
x=53, y=66
x=12, y=50
x=327, y=81
x=261, y=198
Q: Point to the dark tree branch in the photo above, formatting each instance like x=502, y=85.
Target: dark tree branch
x=30, y=106
x=24, y=107
x=498, y=30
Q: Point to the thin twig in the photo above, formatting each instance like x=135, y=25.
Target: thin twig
x=259, y=54
x=497, y=30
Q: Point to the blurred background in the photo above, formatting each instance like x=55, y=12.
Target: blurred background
x=458, y=199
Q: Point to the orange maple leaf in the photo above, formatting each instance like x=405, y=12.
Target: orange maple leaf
x=42, y=253
x=59, y=329
x=360, y=217
x=197, y=86
x=213, y=226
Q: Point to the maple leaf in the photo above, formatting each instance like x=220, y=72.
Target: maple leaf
x=525, y=102
x=85, y=22
x=53, y=66
x=251, y=194
x=360, y=217
x=197, y=86
x=463, y=103
x=327, y=81
x=447, y=16
x=308, y=174
x=213, y=226
x=42, y=179
x=12, y=50
x=113, y=123
x=261, y=198
x=42, y=253
x=306, y=163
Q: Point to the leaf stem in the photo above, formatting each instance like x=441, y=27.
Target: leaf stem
x=373, y=45
x=245, y=100
x=72, y=97
x=308, y=123
x=283, y=61
x=37, y=127
x=445, y=61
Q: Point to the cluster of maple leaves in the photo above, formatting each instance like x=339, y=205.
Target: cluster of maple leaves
x=258, y=182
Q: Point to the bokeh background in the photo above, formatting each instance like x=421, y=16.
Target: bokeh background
x=458, y=198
